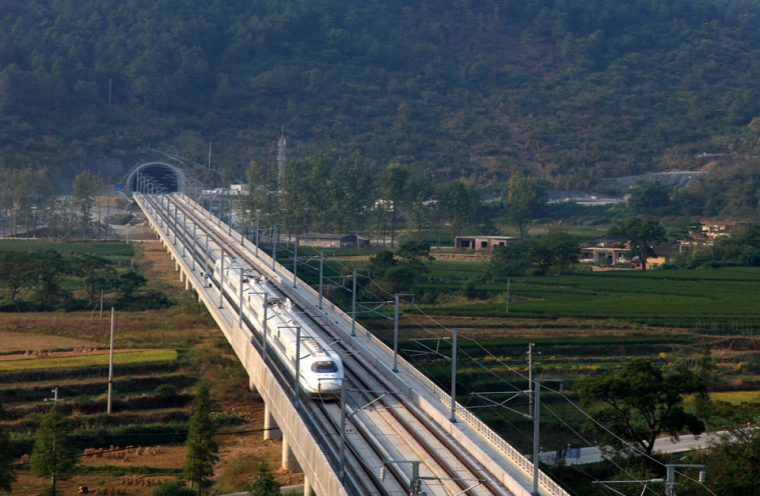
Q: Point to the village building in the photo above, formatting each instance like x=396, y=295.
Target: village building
x=714, y=229
x=327, y=240
x=603, y=255
x=484, y=242
x=662, y=252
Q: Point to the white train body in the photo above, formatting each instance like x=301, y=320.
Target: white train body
x=321, y=369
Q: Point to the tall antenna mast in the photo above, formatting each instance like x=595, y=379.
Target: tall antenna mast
x=281, y=144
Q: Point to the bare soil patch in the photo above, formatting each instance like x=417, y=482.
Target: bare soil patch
x=22, y=341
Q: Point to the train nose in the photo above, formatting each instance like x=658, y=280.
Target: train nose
x=329, y=385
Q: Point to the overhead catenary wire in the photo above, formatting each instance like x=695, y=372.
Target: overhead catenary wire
x=509, y=368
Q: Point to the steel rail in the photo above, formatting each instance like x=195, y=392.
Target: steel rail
x=240, y=255
x=283, y=378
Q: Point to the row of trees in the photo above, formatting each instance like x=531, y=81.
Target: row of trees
x=29, y=201
x=44, y=276
x=553, y=252
x=55, y=455
x=324, y=194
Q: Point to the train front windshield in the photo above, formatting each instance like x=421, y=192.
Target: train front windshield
x=325, y=367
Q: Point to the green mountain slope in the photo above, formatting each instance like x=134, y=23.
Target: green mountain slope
x=572, y=90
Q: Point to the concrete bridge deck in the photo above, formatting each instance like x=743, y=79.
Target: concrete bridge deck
x=463, y=457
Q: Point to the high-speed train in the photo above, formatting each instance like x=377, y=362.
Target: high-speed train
x=321, y=368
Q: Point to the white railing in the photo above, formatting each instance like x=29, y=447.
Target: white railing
x=471, y=419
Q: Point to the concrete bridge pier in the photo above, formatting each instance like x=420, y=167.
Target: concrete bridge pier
x=307, y=489
x=270, y=423
x=252, y=386
x=289, y=461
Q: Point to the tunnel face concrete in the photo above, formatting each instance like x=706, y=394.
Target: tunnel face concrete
x=169, y=176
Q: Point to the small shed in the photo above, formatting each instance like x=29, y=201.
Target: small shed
x=327, y=240
x=484, y=242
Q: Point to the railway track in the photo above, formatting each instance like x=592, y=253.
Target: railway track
x=445, y=470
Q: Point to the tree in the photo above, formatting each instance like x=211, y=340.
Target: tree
x=556, y=249
x=16, y=271
x=414, y=254
x=83, y=191
x=49, y=268
x=201, y=447
x=520, y=200
x=641, y=402
x=649, y=197
x=731, y=462
x=641, y=235
x=97, y=274
x=128, y=283
x=421, y=201
x=7, y=476
x=54, y=454
x=381, y=262
x=461, y=204
x=508, y=261
x=265, y=484
x=394, y=189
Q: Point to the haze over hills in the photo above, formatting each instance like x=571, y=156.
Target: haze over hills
x=570, y=90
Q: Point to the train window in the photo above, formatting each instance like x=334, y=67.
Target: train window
x=327, y=367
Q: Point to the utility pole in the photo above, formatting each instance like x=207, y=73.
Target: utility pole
x=537, y=433
x=507, y=309
x=54, y=399
x=219, y=212
x=175, y=224
x=240, y=300
x=281, y=144
x=229, y=220
x=342, y=462
x=298, y=367
x=670, y=482
x=101, y=302
x=274, y=246
x=321, y=273
x=530, y=377
x=395, y=329
x=453, y=416
x=353, y=305
x=257, y=234
x=110, y=365
x=264, y=325
x=295, y=263
x=195, y=241
x=221, y=282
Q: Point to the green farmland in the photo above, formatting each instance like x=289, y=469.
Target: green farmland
x=716, y=299
x=105, y=249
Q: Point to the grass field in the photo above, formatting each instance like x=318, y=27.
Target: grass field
x=89, y=360
x=715, y=299
x=170, y=348
x=109, y=249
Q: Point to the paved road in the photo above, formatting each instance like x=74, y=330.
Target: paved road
x=662, y=445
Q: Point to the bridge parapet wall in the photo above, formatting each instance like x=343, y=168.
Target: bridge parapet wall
x=283, y=276
x=304, y=445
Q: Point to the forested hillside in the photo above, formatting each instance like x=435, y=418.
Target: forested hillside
x=570, y=90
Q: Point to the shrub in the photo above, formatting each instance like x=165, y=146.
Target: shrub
x=173, y=488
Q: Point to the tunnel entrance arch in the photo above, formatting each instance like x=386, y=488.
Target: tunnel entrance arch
x=171, y=177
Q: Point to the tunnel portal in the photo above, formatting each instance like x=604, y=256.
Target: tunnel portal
x=168, y=176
